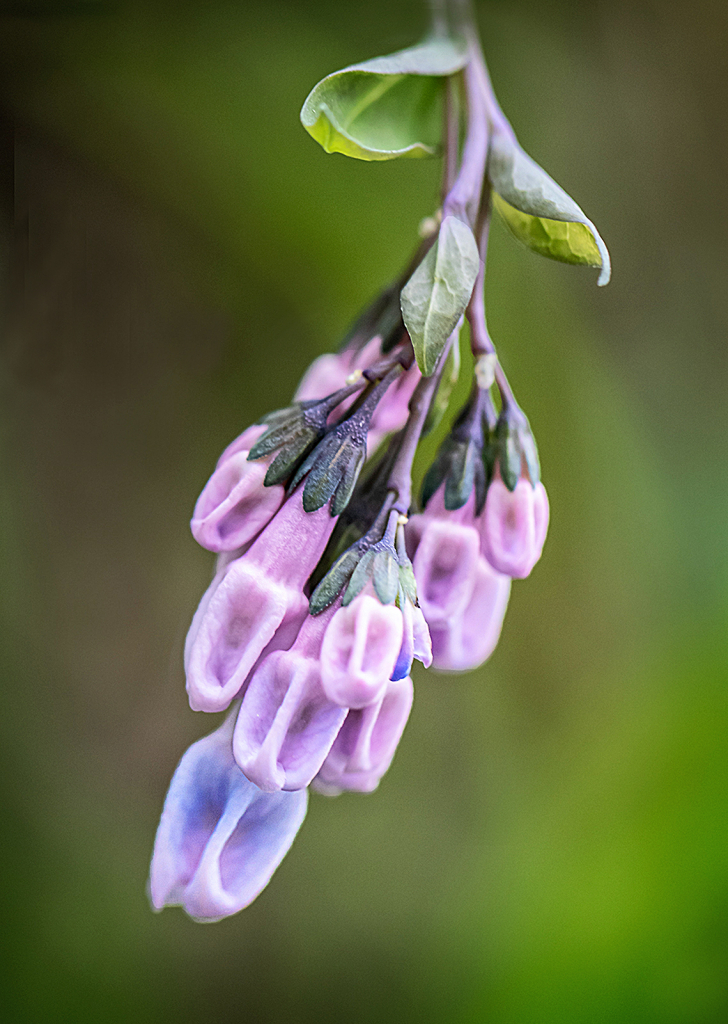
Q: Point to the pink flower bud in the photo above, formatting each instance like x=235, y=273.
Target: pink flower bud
x=244, y=442
x=235, y=505
x=416, y=642
x=325, y=375
x=220, y=838
x=468, y=639
x=514, y=526
x=365, y=746
x=445, y=567
x=286, y=723
x=392, y=412
x=359, y=651
x=254, y=606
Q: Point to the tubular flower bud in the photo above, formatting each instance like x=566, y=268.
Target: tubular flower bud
x=444, y=568
x=416, y=641
x=365, y=746
x=392, y=412
x=514, y=526
x=255, y=605
x=219, y=838
x=469, y=639
x=286, y=723
x=445, y=547
x=234, y=505
x=463, y=598
x=359, y=652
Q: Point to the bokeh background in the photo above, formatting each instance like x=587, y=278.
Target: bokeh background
x=551, y=843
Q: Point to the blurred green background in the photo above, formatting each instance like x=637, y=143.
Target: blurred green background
x=551, y=844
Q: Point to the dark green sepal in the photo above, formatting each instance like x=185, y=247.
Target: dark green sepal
x=286, y=460
x=385, y=575
x=333, y=466
x=516, y=447
x=294, y=431
x=334, y=581
x=407, y=584
x=460, y=460
x=360, y=577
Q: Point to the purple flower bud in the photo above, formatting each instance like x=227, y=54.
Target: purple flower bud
x=244, y=442
x=445, y=566
x=392, y=412
x=254, y=606
x=359, y=651
x=220, y=838
x=365, y=746
x=514, y=526
x=234, y=505
x=286, y=723
x=416, y=641
x=329, y=372
x=468, y=639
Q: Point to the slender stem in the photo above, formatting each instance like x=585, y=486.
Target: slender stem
x=451, y=135
x=480, y=340
x=438, y=9
x=463, y=198
x=400, y=477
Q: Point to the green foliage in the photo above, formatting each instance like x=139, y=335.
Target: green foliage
x=435, y=297
x=385, y=108
x=539, y=212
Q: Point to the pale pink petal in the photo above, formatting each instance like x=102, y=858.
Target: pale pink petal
x=286, y=724
x=509, y=538
x=469, y=639
x=444, y=567
x=235, y=505
x=365, y=746
x=359, y=651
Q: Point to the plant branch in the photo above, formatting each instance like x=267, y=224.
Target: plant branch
x=400, y=477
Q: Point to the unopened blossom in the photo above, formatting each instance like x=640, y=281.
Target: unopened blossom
x=254, y=605
x=445, y=547
x=220, y=838
x=234, y=505
x=463, y=598
x=416, y=641
x=366, y=743
x=286, y=723
x=514, y=526
x=467, y=640
x=359, y=652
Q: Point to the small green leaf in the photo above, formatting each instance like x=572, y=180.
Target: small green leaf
x=435, y=297
x=538, y=211
x=385, y=108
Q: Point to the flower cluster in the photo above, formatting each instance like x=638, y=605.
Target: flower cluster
x=330, y=581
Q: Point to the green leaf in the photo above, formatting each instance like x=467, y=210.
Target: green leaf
x=538, y=211
x=386, y=108
x=435, y=297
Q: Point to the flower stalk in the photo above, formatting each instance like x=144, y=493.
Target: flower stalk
x=329, y=580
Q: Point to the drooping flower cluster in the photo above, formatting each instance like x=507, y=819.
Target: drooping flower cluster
x=329, y=581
